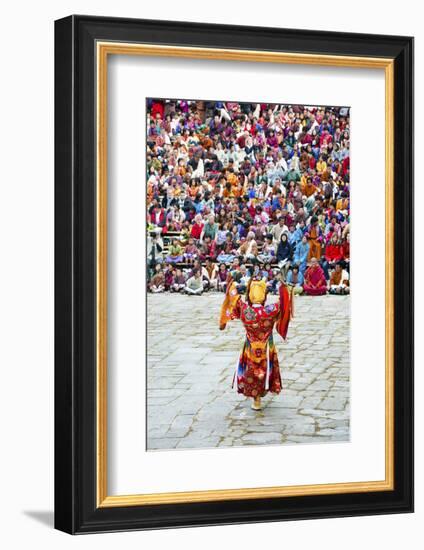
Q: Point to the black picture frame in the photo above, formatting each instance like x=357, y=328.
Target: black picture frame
x=76, y=510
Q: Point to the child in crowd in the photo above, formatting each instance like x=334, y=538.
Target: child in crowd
x=295, y=278
x=222, y=277
x=190, y=252
x=227, y=252
x=194, y=285
x=339, y=280
x=175, y=254
x=178, y=281
x=157, y=282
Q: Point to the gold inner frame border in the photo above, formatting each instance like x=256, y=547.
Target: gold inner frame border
x=103, y=50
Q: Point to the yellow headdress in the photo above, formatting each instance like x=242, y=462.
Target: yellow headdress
x=256, y=291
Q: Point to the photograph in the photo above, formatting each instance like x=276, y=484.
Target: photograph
x=248, y=273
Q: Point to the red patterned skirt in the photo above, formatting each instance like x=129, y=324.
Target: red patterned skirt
x=258, y=370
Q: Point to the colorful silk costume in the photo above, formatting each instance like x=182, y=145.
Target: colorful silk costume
x=257, y=371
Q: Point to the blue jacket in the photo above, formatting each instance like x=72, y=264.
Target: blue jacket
x=299, y=277
x=301, y=253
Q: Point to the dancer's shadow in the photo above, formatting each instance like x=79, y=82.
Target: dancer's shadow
x=46, y=517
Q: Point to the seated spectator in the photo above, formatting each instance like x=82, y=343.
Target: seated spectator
x=256, y=271
x=333, y=254
x=253, y=255
x=157, y=282
x=246, y=246
x=284, y=254
x=339, y=281
x=178, y=282
x=333, y=227
x=197, y=227
x=222, y=277
x=210, y=229
x=169, y=272
x=194, y=285
x=346, y=251
x=235, y=264
x=222, y=235
x=191, y=251
x=279, y=228
x=267, y=253
x=175, y=254
x=207, y=249
x=227, y=253
x=295, y=278
x=244, y=279
x=314, y=279
x=271, y=279
x=185, y=233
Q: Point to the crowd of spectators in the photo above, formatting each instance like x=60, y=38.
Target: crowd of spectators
x=251, y=189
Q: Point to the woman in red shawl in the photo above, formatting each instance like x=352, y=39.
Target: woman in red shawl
x=257, y=370
x=315, y=283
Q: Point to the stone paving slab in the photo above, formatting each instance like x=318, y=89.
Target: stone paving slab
x=190, y=367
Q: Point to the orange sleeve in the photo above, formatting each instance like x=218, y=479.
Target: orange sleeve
x=286, y=310
x=230, y=307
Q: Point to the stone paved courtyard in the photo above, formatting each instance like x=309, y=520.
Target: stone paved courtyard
x=191, y=364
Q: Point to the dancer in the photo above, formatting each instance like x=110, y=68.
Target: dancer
x=258, y=370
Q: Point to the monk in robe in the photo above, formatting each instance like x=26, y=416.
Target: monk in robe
x=314, y=239
x=309, y=188
x=314, y=280
x=339, y=281
x=257, y=370
x=342, y=203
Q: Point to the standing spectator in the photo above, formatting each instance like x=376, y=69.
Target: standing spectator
x=315, y=239
x=301, y=254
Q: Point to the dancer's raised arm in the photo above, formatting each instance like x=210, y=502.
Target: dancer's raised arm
x=286, y=310
x=230, y=306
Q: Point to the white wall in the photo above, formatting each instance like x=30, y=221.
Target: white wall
x=26, y=274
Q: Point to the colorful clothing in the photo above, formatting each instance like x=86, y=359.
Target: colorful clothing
x=257, y=370
x=315, y=238
x=301, y=255
x=315, y=283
